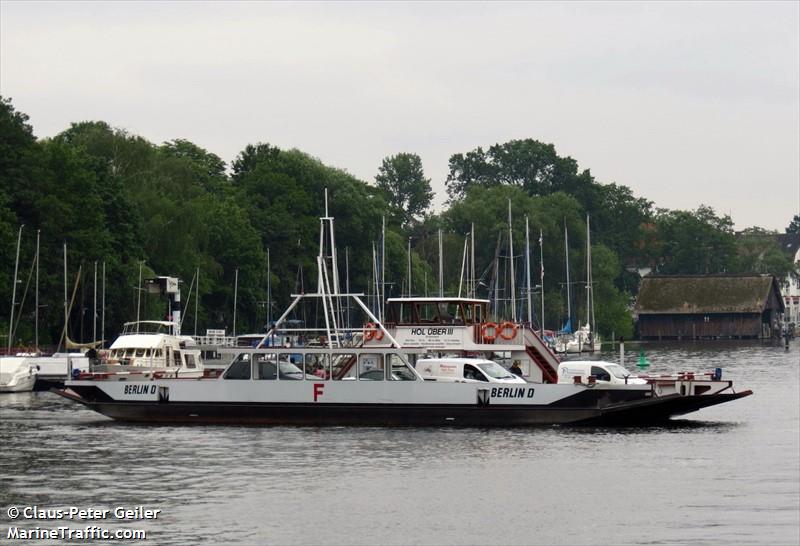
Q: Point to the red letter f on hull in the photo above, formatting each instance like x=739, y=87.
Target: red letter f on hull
x=318, y=390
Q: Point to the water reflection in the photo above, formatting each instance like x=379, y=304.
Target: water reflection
x=727, y=475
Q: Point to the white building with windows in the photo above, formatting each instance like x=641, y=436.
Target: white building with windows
x=790, y=287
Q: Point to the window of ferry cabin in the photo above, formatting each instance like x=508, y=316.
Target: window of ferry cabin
x=319, y=366
x=370, y=367
x=239, y=368
x=397, y=369
x=428, y=312
x=290, y=367
x=265, y=366
x=343, y=366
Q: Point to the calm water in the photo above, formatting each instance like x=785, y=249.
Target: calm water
x=725, y=475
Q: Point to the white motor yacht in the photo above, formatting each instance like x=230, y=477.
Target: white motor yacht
x=17, y=374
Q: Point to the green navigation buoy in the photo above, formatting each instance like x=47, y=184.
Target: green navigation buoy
x=643, y=363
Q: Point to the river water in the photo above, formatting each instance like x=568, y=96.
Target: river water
x=725, y=475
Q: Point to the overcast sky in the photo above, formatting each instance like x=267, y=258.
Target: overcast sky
x=686, y=103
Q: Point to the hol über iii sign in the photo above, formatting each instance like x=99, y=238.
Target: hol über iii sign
x=430, y=337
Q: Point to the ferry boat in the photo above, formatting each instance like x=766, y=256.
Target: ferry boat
x=375, y=382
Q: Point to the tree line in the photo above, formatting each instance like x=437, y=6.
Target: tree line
x=127, y=205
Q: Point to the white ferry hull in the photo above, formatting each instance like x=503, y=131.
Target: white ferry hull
x=352, y=403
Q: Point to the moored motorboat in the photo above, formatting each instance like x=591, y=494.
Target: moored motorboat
x=17, y=374
x=149, y=347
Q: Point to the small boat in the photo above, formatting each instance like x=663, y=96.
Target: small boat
x=377, y=382
x=17, y=374
x=582, y=341
x=147, y=347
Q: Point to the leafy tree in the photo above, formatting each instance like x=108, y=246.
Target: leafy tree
x=695, y=242
x=529, y=164
x=794, y=225
x=407, y=190
x=758, y=251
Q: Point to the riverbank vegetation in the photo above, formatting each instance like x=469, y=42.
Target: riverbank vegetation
x=119, y=201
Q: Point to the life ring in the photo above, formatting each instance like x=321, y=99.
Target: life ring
x=489, y=331
x=503, y=328
x=371, y=331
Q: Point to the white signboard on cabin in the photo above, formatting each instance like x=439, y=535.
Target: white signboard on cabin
x=431, y=337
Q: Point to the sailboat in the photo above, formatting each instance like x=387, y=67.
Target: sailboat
x=585, y=338
x=17, y=374
x=564, y=336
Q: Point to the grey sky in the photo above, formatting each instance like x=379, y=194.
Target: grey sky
x=686, y=103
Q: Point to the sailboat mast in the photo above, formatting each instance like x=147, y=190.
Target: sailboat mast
x=591, y=281
x=235, y=297
x=269, y=291
x=463, y=267
x=441, y=270
x=197, y=297
x=94, y=313
x=36, y=312
x=511, y=265
x=409, y=267
x=382, y=293
x=66, y=309
x=566, y=260
x=541, y=279
x=528, y=269
x=588, y=274
x=347, y=281
x=474, y=290
x=138, y=289
x=103, y=311
x=14, y=291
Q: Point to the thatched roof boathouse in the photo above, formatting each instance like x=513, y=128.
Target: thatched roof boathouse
x=709, y=307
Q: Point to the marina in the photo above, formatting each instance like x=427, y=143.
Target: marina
x=373, y=381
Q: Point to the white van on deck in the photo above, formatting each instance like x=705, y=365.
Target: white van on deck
x=464, y=370
x=607, y=372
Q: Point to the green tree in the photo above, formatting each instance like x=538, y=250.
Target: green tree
x=695, y=242
x=758, y=251
x=794, y=225
x=529, y=164
x=407, y=190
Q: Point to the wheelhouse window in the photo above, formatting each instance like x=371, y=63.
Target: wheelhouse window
x=190, y=363
x=290, y=367
x=265, y=366
x=343, y=366
x=370, y=367
x=397, y=369
x=318, y=365
x=239, y=368
x=428, y=313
